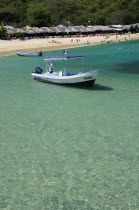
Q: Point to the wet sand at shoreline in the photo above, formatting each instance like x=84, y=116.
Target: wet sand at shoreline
x=9, y=47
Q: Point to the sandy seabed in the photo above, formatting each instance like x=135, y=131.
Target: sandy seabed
x=9, y=47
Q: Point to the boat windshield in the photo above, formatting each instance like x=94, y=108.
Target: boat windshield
x=64, y=58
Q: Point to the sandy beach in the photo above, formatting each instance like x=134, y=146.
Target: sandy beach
x=9, y=47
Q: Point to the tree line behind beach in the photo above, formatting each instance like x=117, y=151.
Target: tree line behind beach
x=68, y=12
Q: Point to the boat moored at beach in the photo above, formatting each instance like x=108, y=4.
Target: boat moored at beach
x=29, y=54
x=64, y=77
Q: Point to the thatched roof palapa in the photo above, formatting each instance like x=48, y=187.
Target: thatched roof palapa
x=90, y=29
x=70, y=29
x=55, y=29
x=63, y=29
x=80, y=28
x=11, y=31
x=45, y=30
x=18, y=30
x=29, y=30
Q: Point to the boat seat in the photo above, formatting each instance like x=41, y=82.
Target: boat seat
x=55, y=74
x=60, y=74
x=66, y=74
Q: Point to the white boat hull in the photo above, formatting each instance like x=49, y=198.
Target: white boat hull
x=88, y=77
x=29, y=54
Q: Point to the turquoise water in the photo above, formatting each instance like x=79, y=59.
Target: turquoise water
x=71, y=148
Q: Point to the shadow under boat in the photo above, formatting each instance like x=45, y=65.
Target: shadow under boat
x=90, y=87
x=82, y=85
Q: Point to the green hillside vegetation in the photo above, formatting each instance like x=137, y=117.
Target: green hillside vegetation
x=41, y=13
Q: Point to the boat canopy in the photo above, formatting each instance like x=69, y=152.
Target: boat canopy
x=63, y=58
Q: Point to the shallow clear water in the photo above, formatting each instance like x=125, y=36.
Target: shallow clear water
x=70, y=148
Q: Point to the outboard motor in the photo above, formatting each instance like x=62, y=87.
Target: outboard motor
x=38, y=70
x=40, y=53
